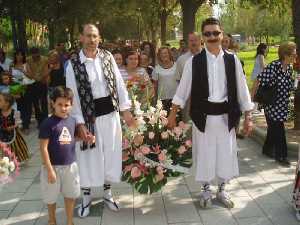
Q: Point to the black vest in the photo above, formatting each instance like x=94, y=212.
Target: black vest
x=200, y=90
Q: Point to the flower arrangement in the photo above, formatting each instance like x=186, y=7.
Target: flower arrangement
x=9, y=165
x=152, y=152
x=140, y=88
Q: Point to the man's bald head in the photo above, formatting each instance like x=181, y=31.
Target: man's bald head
x=194, y=42
x=90, y=37
x=89, y=26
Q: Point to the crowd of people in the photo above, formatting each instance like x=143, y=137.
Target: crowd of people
x=202, y=81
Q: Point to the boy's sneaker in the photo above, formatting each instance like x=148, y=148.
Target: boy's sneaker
x=224, y=198
x=205, y=199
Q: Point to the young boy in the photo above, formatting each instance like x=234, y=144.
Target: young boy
x=59, y=172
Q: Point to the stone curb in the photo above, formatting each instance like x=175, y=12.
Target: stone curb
x=259, y=135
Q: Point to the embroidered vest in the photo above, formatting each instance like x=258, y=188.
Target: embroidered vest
x=200, y=90
x=85, y=90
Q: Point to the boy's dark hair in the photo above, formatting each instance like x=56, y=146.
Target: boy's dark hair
x=34, y=50
x=62, y=92
x=5, y=73
x=8, y=98
x=210, y=21
x=23, y=54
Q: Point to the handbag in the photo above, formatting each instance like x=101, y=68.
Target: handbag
x=266, y=95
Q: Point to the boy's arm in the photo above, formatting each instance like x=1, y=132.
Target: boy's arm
x=46, y=160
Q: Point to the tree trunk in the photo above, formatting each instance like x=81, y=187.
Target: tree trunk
x=14, y=32
x=189, y=9
x=163, y=21
x=296, y=27
x=163, y=27
x=51, y=31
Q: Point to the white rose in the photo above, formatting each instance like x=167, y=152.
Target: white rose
x=5, y=160
x=159, y=104
x=12, y=166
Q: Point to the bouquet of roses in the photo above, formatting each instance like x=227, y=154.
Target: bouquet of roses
x=140, y=88
x=9, y=165
x=152, y=152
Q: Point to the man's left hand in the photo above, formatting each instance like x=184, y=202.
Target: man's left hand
x=129, y=119
x=248, y=127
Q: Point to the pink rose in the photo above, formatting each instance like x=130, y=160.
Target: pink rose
x=145, y=150
x=125, y=156
x=156, y=149
x=181, y=124
x=138, y=140
x=164, y=121
x=125, y=143
x=177, y=131
x=163, y=113
x=128, y=168
x=164, y=135
x=151, y=135
x=135, y=172
x=159, y=170
x=188, y=143
x=181, y=150
x=162, y=156
x=138, y=155
x=159, y=177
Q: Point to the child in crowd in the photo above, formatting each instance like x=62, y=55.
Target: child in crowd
x=9, y=132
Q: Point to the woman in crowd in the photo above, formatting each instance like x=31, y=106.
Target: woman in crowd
x=278, y=74
x=149, y=49
x=117, y=54
x=145, y=63
x=4, y=61
x=261, y=53
x=164, y=77
x=19, y=70
x=54, y=72
x=134, y=75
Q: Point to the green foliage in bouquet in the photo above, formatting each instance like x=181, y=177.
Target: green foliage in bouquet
x=152, y=152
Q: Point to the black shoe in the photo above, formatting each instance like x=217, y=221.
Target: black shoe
x=240, y=136
x=267, y=154
x=284, y=161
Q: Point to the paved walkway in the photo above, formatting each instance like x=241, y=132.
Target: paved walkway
x=262, y=196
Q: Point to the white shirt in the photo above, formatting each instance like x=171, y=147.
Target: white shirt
x=5, y=65
x=217, y=82
x=180, y=64
x=166, y=81
x=98, y=84
x=20, y=77
x=139, y=71
x=258, y=68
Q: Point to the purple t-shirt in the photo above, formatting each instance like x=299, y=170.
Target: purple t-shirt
x=60, y=132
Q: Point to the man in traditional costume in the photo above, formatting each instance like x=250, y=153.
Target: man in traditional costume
x=99, y=95
x=217, y=85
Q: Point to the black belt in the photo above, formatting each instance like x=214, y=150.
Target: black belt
x=103, y=106
x=214, y=108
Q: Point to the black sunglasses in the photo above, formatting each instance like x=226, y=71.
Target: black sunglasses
x=210, y=33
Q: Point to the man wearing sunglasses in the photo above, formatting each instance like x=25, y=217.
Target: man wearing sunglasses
x=217, y=85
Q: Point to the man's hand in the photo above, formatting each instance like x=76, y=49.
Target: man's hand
x=83, y=133
x=129, y=119
x=248, y=127
x=51, y=176
x=172, y=116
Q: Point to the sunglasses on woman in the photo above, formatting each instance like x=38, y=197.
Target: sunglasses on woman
x=211, y=33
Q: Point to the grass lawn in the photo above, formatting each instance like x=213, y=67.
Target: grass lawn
x=249, y=58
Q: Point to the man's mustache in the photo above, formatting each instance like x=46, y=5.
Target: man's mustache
x=213, y=41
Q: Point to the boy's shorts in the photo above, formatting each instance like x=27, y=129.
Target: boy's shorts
x=67, y=183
